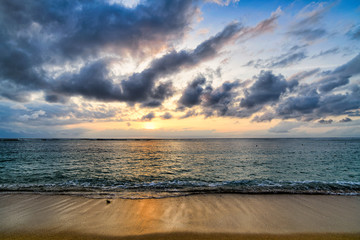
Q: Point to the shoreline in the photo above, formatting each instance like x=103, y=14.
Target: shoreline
x=182, y=236
x=231, y=216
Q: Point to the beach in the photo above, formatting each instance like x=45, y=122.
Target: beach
x=205, y=216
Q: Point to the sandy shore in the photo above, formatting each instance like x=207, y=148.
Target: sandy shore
x=223, y=216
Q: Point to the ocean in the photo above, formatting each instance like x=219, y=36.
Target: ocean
x=157, y=168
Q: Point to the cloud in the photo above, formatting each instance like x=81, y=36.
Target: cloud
x=44, y=35
x=217, y=101
x=354, y=33
x=330, y=51
x=322, y=121
x=308, y=34
x=94, y=81
x=310, y=105
x=353, y=113
x=339, y=104
x=306, y=102
x=267, y=88
x=328, y=83
x=43, y=115
x=55, y=98
x=14, y=92
x=344, y=120
x=61, y=37
x=221, y=99
x=166, y=116
x=83, y=28
x=340, y=76
x=159, y=93
x=41, y=132
x=277, y=97
x=203, y=31
x=222, y=2
x=316, y=100
x=292, y=56
x=285, y=127
x=265, y=26
x=287, y=60
x=304, y=74
x=192, y=93
x=33, y=116
x=307, y=27
x=148, y=117
x=297, y=106
x=189, y=113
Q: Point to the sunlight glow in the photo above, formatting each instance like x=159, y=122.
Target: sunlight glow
x=149, y=126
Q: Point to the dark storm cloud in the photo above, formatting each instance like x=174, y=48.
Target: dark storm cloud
x=36, y=33
x=295, y=107
x=93, y=80
x=152, y=103
x=353, y=113
x=217, y=101
x=55, y=98
x=339, y=104
x=166, y=116
x=14, y=92
x=266, y=89
x=309, y=105
x=81, y=28
x=48, y=34
x=148, y=117
x=323, y=121
x=139, y=86
x=340, y=76
x=192, y=93
x=350, y=68
x=344, y=120
x=163, y=91
x=221, y=99
x=115, y=26
x=281, y=98
x=317, y=100
x=20, y=69
x=308, y=102
x=158, y=94
x=333, y=81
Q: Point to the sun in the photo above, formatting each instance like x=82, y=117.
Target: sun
x=149, y=125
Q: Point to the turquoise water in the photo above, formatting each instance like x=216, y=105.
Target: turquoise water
x=163, y=168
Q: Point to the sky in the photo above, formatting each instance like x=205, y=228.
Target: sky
x=179, y=68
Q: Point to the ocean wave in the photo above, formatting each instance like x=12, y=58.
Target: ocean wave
x=182, y=188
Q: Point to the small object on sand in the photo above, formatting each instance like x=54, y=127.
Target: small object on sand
x=108, y=201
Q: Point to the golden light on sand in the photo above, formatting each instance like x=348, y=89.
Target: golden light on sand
x=149, y=126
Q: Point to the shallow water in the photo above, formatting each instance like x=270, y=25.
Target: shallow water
x=161, y=168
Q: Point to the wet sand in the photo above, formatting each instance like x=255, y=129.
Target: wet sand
x=223, y=216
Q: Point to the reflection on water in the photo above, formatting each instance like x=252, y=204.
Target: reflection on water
x=178, y=166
